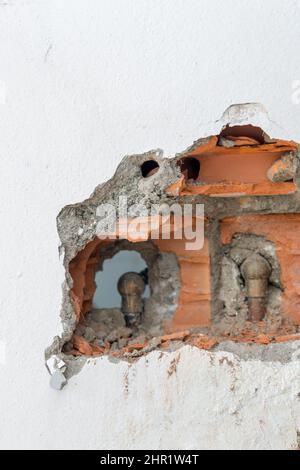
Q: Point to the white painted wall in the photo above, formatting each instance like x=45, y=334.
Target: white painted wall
x=82, y=84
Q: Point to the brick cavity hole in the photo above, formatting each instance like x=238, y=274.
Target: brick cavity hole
x=122, y=293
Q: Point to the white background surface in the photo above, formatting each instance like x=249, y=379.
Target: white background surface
x=84, y=84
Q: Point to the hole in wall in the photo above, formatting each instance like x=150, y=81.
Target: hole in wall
x=190, y=168
x=242, y=135
x=149, y=167
x=107, y=294
x=192, y=298
x=125, y=291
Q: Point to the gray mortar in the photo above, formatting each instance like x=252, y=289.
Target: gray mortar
x=276, y=352
x=286, y=173
x=232, y=290
x=77, y=223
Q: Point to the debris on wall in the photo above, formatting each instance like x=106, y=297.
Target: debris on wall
x=242, y=283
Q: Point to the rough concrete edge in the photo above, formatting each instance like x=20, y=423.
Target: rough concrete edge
x=228, y=351
x=57, y=363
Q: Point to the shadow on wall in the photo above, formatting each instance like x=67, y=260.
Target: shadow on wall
x=107, y=295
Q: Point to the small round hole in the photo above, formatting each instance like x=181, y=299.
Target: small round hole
x=190, y=168
x=149, y=167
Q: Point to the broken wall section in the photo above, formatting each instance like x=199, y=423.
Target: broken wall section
x=193, y=301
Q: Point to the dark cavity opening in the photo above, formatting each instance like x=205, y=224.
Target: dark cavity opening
x=149, y=167
x=252, y=132
x=190, y=168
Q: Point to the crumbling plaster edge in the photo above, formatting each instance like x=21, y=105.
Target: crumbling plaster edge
x=69, y=222
x=62, y=367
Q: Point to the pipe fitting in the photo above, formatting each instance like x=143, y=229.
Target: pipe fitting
x=256, y=271
x=131, y=287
